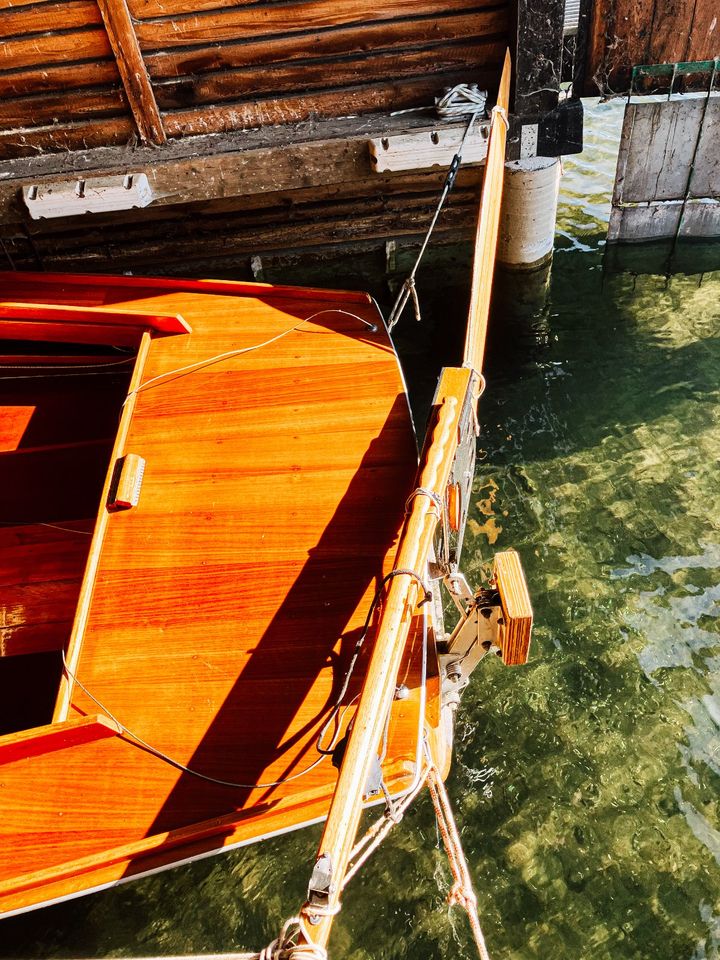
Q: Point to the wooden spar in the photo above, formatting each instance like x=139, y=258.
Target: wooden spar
x=404, y=591
x=487, y=229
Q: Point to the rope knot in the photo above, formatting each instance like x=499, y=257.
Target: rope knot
x=502, y=114
x=462, y=896
x=285, y=947
x=315, y=912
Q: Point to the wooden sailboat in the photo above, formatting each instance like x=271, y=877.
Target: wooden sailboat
x=250, y=609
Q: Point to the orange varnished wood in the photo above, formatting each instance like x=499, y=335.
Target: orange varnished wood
x=217, y=616
x=400, y=612
x=78, y=316
x=55, y=736
x=58, y=418
x=457, y=388
x=487, y=228
x=517, y=613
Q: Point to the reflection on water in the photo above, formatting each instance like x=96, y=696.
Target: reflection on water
x=587, y=783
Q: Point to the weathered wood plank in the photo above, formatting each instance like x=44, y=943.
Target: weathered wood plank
x=664, y=187
x=662, y=138
x=234, y=23
x=624, y=33
x=39, y=18
x=47, y=48
x=387, y=68
x=705, y=31
x=358, y=39
x=237, y=237
x=671, y=32
x=117, y=159
x=705, y=180
x=132, y=69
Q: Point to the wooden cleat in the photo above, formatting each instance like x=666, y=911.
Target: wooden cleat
x=515, y=625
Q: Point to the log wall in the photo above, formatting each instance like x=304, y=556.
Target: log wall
x=625, y=33
x=79, y=74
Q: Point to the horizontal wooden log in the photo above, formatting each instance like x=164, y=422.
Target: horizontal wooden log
x=73, y=76
x=39, y=18
x=386, y=68
x=118, y=159
x=76, y=136
x=241, y=236
x=414, y=92
x=155, y=8
x=46, y=48
x=358, y=39
x=25, y=112
x=262, y=208
x=319, y=206
x=233, y=23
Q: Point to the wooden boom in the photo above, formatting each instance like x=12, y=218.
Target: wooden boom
x=405, y=591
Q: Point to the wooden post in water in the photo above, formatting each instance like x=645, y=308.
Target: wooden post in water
x=403, y=591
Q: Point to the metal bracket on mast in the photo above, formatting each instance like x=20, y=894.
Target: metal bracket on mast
x=320, y=887
x=475, y=635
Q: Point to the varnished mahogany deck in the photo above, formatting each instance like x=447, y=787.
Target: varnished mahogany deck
x=217, y=616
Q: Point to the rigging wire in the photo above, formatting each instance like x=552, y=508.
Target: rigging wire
x=337, y=710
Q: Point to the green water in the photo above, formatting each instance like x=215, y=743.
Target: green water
x=587, y=783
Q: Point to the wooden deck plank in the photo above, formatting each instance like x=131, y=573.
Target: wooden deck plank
x=227, y=603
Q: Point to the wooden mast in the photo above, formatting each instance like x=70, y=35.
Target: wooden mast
x=486, y=232
x=404, y=591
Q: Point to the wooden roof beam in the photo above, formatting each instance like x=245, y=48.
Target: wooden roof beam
x=133, y=72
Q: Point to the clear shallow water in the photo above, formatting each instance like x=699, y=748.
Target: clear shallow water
x=587, y=783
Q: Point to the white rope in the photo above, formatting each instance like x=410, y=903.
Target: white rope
x=286, y=947
x=461, y=100
x=218, y=357
x=376, y=833
x=457, y=101
x=501, y=113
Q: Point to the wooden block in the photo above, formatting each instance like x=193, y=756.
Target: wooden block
x=55, y=736
x=71, y=198
x=130, y=477
x=514, y=634
x=423, y=149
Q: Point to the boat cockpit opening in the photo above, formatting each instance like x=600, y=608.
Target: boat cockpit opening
x=60, y=404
